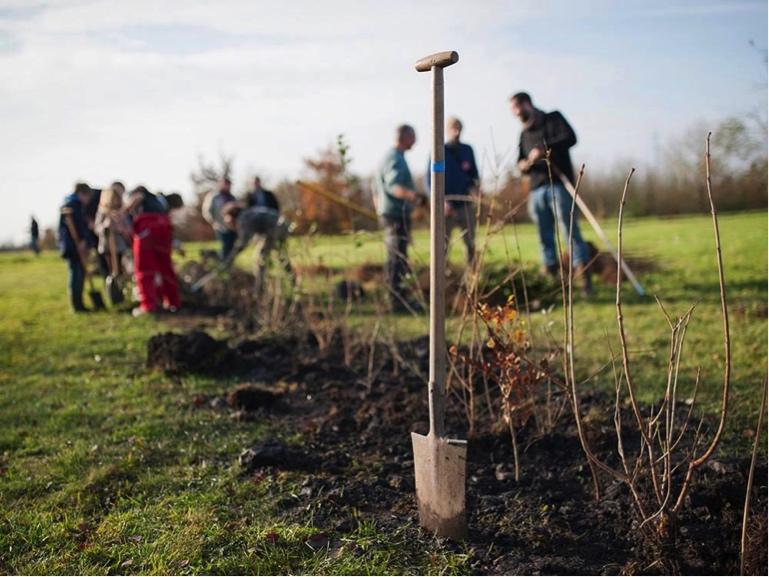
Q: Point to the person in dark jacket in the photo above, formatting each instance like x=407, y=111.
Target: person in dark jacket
x=461, y=183
x=261, y=197
x=34, y=236
x=75, y=250
x=543, y=131
x=152, y=246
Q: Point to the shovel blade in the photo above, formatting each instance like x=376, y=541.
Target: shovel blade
x=97, y=300
x=114, y=290
x=439, y=467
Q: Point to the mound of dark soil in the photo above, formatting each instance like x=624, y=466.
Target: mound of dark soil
x=193, y=352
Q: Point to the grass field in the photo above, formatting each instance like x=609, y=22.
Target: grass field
x=104, y=467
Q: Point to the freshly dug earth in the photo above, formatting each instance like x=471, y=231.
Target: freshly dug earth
x=357, y=428
x=195, y=351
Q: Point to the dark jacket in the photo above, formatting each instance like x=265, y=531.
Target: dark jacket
x=67, y=245
x=549, y=130
x=461, y=171
x=268, y=200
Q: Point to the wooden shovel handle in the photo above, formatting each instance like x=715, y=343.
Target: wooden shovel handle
x=439, y=59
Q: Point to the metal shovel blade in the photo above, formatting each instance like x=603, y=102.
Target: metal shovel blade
x=114, y=290
x=97, y=301
x=439, y=467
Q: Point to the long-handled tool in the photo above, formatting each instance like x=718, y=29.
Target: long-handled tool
x=217, y=270
x=209, y=276
x=599, y=231
x=336, y=198
x=96, y=299
x=114, y=289
x=439, y=462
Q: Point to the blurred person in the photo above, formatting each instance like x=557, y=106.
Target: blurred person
x=212, y=213
x=75, y=250
x=270, y=231
x=462, y=180
x=34, y=236
x=259, y=196
x=543, y=131
x=152, y=246
x=396, y=197
x=112, y=221
x=90, y=211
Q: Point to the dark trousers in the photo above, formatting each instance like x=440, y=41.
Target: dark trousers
x=463, y=218
x=76, y=282
x=397, y=233
x=227, y=240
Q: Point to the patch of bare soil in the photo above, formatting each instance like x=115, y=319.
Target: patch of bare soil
x=356, y=462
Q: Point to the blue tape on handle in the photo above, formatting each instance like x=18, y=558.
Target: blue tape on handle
x=439, y=166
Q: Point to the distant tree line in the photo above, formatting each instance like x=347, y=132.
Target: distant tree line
x=673, y=184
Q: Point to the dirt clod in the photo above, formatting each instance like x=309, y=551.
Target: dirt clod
x=251, y=397
x=273, y=454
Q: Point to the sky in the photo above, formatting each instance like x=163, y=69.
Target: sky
x=99, y=90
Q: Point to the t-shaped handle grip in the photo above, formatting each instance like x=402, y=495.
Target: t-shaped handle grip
x=439, y=59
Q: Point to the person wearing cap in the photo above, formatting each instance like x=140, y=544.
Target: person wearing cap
x=396, y=197
x=212, y=213
x=461, y=182
x=152, y=246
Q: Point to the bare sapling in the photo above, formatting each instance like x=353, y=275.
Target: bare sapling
x=669, y=449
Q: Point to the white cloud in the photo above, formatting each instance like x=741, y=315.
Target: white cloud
x=136, y=90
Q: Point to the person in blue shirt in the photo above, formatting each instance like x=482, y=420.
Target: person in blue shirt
x=396, y=197
x=462, y=181
x=75, y=251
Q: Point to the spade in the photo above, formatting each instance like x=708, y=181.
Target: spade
x=439, y=462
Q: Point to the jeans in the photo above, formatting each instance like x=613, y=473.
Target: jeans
x=76, y=282
x=397, y=233
x=227, y=239
x=541, y=212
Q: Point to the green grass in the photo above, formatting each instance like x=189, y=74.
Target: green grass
x=683, y=250
x=106, y=468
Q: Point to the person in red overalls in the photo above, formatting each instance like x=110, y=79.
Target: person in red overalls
x=152, y=244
